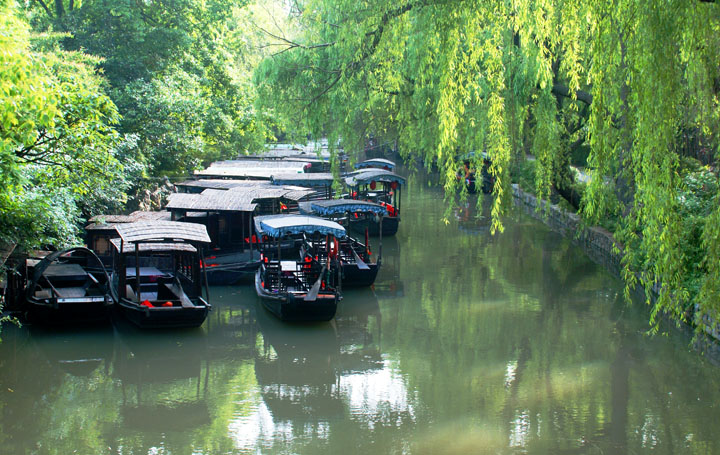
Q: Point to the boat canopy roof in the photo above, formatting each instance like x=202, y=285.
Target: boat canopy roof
x=268, y=191
x=129, y=248
x=211, y=201
x=369, y=175
x=277, y=226
x=376, y=162
x=216, y=184
x=472, y=155
x=108, y=222
x=258, y=169
x=160, y=231
x=307, y=180
x=340, y=206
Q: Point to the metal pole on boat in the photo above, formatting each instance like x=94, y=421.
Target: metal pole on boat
x=398, y=199
x=137, y=270
x=279, y=271
x=339, y=267
x=250, y=237
x=379, y=259
x=204, y=272
x=380, y=232
x=367, y=242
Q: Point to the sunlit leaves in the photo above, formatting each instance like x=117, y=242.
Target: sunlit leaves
x=56, y=137
x=449, y=78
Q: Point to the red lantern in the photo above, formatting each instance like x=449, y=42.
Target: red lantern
x=393, y=185
x=373, y=185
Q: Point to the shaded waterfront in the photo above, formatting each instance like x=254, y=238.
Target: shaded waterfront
x=467, y=344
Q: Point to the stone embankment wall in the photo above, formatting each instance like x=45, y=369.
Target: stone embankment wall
x=596, y=242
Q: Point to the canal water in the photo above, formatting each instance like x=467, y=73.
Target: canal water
x=468, y=344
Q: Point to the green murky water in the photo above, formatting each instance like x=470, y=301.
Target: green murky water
x=468, y=343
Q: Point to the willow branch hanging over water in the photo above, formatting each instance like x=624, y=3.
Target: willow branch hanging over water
x=630, y=79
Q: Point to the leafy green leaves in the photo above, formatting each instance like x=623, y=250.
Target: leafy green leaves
x=511, y=78
x=56, y=152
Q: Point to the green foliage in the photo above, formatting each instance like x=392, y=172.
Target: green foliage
x=57, y=141
x=178, y=70
x=626, y=77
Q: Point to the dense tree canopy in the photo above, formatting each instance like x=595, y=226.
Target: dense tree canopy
x=57, y=138
x=635, y=81
x=101, y=97
x=178, y=70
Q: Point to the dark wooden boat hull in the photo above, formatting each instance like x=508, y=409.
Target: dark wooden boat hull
x=70, y=311
x=292, y=307
x=353, y=276
x=390, y=226
x=230, y=268
x=234, y=274
x=176, y=317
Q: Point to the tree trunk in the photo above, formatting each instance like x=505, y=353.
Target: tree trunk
x=59, y=9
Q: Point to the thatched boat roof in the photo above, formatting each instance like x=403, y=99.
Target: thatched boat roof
x=211, y=201
x=158, y=231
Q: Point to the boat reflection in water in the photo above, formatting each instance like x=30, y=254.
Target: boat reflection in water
x=164, y=379
x=388, y=284
x=74, y=352
x=317, y=380
x=295, y=370
x=359, y=325
x=473, y=220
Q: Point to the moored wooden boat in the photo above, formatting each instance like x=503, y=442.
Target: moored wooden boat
x=382, y=187
x=357, y=268
x=298, y=288
x=68, y=287
x=475, y=173
x=158, y=274
x=377, y=163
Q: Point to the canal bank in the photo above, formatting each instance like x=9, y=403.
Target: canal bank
x=599, y=243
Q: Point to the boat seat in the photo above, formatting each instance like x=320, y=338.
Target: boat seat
x=129, y=293
x=71, y=292
x=176, y=290
x=63, y=293
x=43, y=294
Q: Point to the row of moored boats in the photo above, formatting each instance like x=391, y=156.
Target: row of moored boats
x=275, y=223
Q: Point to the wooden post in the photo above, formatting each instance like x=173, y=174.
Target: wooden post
x=250, y=236
x=367, y=243
x=137, y=270
x=121, y=271
x=380, y=231
x=203, y=269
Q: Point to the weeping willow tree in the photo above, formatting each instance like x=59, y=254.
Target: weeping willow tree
x=636, y=81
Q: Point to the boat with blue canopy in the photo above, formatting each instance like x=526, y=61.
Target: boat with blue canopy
x=355, y=256
x=468, y=173
x=321, y=182
x=379, y=163
x=382, y=187
x=299, y=286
